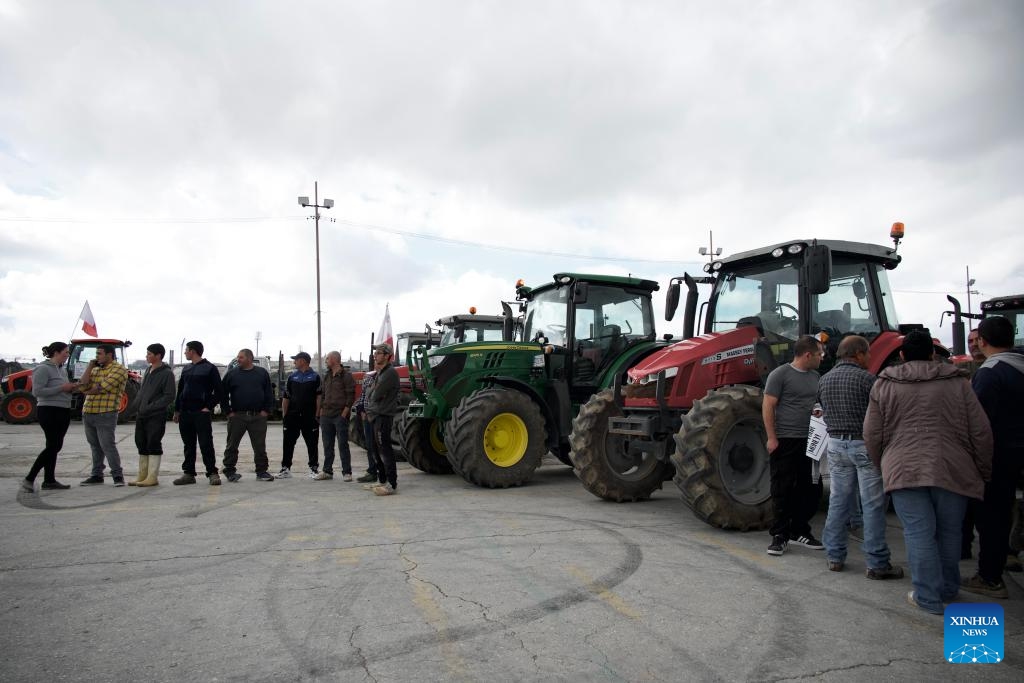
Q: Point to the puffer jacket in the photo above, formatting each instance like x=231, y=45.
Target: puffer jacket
x=925, y=427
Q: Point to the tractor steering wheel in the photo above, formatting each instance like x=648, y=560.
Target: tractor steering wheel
x=779, y=305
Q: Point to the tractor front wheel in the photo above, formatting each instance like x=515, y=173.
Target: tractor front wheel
x=603, y=461
x=496, y=438
x=423, y=446
x=721, y=460
x=18, y=407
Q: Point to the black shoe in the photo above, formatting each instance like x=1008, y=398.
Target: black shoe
x=366, y=478
x=886, y=572
x=28, y=486
x=91, y=481
x=118, y=481
x=54, y=486
x=185, y=478
x=264, y=476
x=214, y=479
x=778, y=545
x=233, y=477
x=807, y=541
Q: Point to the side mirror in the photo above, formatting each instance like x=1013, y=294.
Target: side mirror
x=817, y=270
x=579, y=293
x=671, y=300
x=859, y=290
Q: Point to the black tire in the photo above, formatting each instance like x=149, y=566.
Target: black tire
x=18, y=407
x=355, y=430
x=601, y=461
x=423, y=446
x=496, y=438
x=721, y=460
x=131, y=405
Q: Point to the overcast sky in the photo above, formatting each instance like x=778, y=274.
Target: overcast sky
x=151, y=154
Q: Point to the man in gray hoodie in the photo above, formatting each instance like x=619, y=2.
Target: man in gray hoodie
x=155, y=396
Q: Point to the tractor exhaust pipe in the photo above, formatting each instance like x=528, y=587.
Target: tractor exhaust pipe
x=959, y=345
x=690, y=312
x=507, y=327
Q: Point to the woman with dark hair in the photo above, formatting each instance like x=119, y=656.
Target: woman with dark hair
x=52, y=390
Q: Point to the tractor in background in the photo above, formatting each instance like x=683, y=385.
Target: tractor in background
x=695, y=406
x=493, y=409
x=18, y=405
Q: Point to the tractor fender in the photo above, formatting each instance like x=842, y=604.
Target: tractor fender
x=630, y=357
x=550, y=419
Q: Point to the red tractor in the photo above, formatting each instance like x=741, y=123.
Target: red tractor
x=18, y=405
x=696, y=405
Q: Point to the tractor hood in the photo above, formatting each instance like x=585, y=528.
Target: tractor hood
x=715, y=349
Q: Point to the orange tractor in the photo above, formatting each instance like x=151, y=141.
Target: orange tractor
x=18, y=405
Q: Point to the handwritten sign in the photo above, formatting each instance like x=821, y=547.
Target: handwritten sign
x=817, y=439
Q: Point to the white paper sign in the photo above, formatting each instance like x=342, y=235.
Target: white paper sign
x=817, y=439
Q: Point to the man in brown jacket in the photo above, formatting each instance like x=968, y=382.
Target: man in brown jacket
x=927, y=431
x=335, y=410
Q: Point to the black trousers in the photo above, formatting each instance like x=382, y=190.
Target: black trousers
x=54, y=421
x=387, y=471
x=370, y=440
x=197, y=427
x=994, y=515
x=149, y=434
x=305, y=424
x=795, y=496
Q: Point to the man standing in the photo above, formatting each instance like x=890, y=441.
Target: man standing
x=248, y=402
x=844, y=393
x=335, y=409
x=999, y=385
x=199, y=390
x=299, y=408
x=102, y=384
x=972, y=346
x=155, y=395
x=789, y=395
x=927, y=432
x=370, y=478
x=380, y=410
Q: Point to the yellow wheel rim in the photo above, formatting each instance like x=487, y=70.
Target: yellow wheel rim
x=505, y=439
x=436, y=442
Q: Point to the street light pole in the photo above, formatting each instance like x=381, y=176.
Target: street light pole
x=328, y=203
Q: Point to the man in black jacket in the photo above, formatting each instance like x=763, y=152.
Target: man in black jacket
x=199, y=390
x=248, y=402
x=300, y=406
x=380, y=410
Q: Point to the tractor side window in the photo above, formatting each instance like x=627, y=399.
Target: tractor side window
x=846, y=306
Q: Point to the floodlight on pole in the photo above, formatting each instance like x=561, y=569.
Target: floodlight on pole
x=328, y=203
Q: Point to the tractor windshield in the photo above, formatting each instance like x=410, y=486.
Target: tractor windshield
x=767, y=296
x=609, y=316
x=546, y=316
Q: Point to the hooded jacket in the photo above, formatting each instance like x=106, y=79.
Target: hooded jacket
x=999, y=384
x=925, y=427
x=157, y=391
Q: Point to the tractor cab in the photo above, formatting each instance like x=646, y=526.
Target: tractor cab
x=588, y=321
x=1011, y=308
x=462, y=327
x=84, y=350
x=804, y=287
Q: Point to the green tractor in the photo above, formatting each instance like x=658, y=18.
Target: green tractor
x=492, y=410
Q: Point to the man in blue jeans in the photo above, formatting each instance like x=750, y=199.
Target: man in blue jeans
x=335, y=409
x=844, y=393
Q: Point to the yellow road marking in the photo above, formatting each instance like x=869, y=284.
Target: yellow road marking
x=743, y=553
x=608, y=597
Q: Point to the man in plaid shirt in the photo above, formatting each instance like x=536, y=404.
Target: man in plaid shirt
x=843, y=393
x=102, y=384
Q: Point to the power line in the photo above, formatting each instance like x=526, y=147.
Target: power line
x=365, y=226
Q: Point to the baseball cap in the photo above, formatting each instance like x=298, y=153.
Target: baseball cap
x=386, y=348
x=303, y=355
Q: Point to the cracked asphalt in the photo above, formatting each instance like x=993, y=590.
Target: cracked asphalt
x=305, y=580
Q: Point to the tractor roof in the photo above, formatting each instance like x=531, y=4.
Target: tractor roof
x=862, y=250
x=469, y=319
x=93, y=341
x=998, y=303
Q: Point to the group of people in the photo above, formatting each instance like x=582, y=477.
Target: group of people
x=311, y=407
x=948, y=451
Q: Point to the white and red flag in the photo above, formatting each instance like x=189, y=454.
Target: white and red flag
x=88, y=322
x=386, y=336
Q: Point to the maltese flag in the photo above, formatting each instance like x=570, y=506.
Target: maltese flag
x=88, y=322
x=386, y=336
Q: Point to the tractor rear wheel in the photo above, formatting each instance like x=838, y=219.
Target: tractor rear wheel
x=355, y=430
x=722, y=462
x=423, y=446
x=18, y=407
x=496, y=438
x=603, y=462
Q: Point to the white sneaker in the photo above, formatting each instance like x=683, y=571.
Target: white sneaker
x=346, y=477
x=284, y=473
x=384, y=490
x=312, y=473
x=323, y=476
x=372, y=485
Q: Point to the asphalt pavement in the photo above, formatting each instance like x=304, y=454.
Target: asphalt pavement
x=320, y=580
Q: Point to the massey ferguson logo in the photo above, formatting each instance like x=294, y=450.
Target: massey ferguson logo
x=728, y=355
